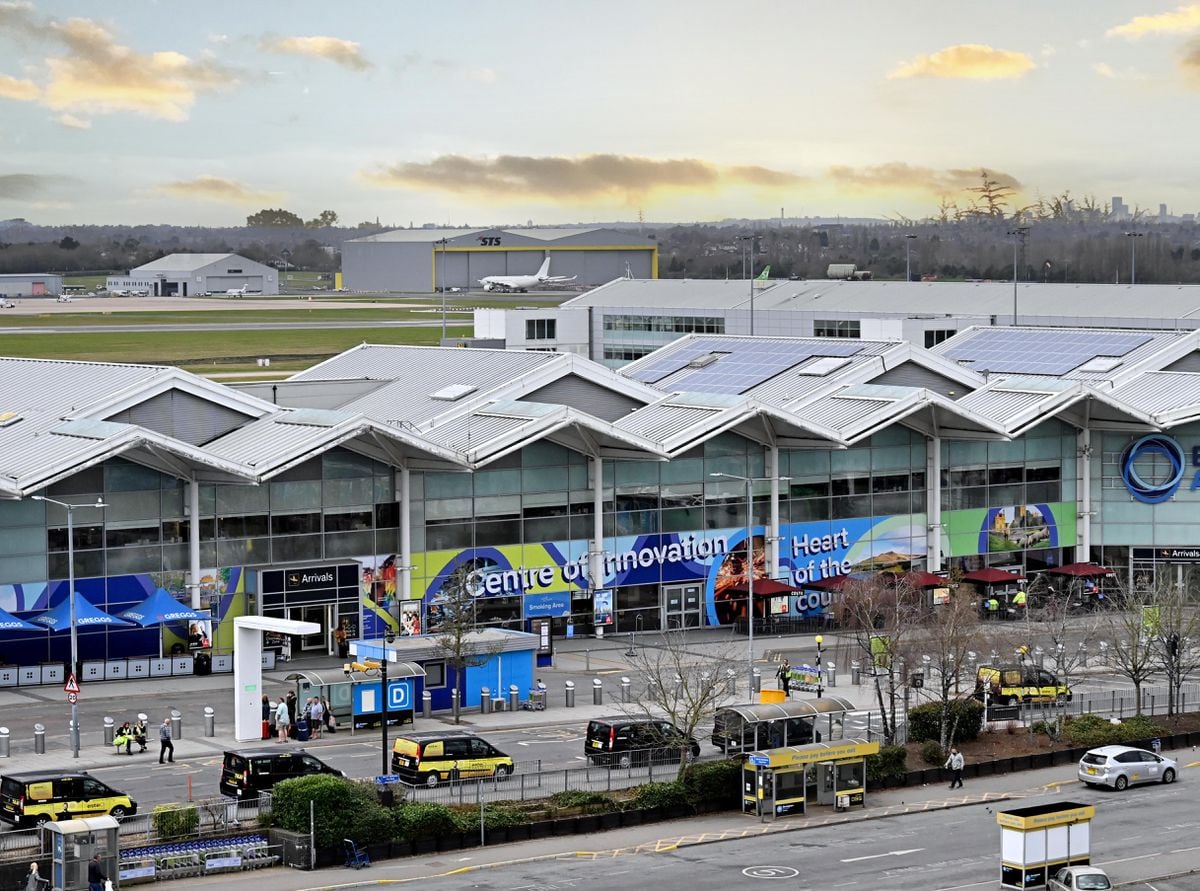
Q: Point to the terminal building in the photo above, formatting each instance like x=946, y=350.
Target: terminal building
x=362, y=490
x=430, y=259
x=194, y=275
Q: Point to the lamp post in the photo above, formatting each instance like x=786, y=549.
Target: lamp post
x=1133, y=237
x=749, y=481
x=820, y=644
x=70, y=509
x=1018, y=236
x=285, y=255
x=442, y=242
x=748, y=240
x=908, y=240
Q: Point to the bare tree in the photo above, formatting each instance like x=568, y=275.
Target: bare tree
x=451, y=618
x=1174, y=622
x=1133, y=645
x=683, y=686
x=951, y=632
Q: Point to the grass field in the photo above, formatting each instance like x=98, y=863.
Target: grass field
x=88, y=282
x=232, y=317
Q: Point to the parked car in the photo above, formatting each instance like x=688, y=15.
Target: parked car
x=621, y=741
x=7, y=304
x=246, y=772
x=31, y=799
x=438, y=755
x=1123, y=766
x=1080, y=878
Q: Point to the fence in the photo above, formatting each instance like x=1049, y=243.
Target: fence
x=1123, y=703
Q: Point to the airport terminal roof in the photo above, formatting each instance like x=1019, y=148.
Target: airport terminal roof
x=670, y=293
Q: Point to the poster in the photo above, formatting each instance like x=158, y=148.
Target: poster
x=602, y=608
x=200, y=632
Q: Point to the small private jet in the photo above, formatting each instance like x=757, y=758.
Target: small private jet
x=519, y=284
x=236, y=292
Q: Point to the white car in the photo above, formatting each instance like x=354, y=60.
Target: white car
x=64, y=298
x=7, y=304
x=1124, y=766
x=1079, y=878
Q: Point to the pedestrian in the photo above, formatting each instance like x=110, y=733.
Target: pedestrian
x=96, y=876
x=785, y=678
x=166, y=747
x=330, y=720
x=316, y=717
x=34, y=881
x=139, y=734
x=293, y=703
x=283, y=719
x=955, y=763
x=343, y=642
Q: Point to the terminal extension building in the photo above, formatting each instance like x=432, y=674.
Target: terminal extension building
x=193, y=275
x=361, y=491
x=432, y=259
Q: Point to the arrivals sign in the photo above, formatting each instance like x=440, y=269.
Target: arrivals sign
x=1168, y=555
x=310, y=578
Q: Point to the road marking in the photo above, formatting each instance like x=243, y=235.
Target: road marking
x=1193, y=764
x=1185, y=850
x=770, y=872
x=887, y=854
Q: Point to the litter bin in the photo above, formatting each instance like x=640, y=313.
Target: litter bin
x=202, y=664
x=109, y=731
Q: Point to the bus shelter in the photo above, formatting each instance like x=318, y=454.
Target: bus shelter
x=781, y=782
x=756, y=726
x=1037, y=841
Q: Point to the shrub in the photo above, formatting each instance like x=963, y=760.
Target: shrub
x=924, y=720
x=341, y=808
x=716, y=783
x=931, y=753
x=669, y=796
x=175, y=820
x=416, y=820
x=1137, y=727
x=495, y=816
x=890, y=764
x=1088, y=730
x=593, y=802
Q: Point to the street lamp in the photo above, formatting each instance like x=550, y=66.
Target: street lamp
x=70, y=509
x=1018, y=236
x=749, y=481
x=908, y=240
x=1133, y=237
x=442, y=242
x=749, y=240
x=285, y=255
x=820, y=644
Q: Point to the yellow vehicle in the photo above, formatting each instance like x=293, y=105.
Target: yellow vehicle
x=31, y=799
x=434, y=757
x=1015, y=684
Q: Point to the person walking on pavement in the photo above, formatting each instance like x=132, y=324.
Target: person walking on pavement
x=785, y=678
x=96, y=876
x=955, y=763
x=166, y=747
x=343, y=642
x=283, y=719
x=34, y=881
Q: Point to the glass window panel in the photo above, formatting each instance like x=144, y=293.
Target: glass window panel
x=683, y=495
x=387, y=516
x=294, y=496
x=348, y=492
x=123, y=561
x=856, y=459
x=124, y=476
x=341, y=464
x=890, y=504
x=447, y=536
x=352, y=521
x=545, y=479
x=16, y=570
x=1038, y=493
x=120, y=537
x=957, y=453
x=25, y=512
x=296, y=548
x=543, y=454
x=683, y=470
x=893, y=458
x=448, y=509
x=141, y=505
x=1006, y=476
x=1043, y=474
x=999, y=496
x=498, y=506
x=23, y=540
x=1041, y=448
x=725, y=444
x=349, y=544
x=577, y=476
x=498, y=482
x=808, y=462
x=173, y=500
x=242, y=551
x=856, y=485
x=1003, y=452
x=491, y=533
x=643, y=473
x=295, y=524
x=547, y=529
x=804, y=510
x=87, y=564
x=447, y=485
x=243, y=500
x=725, y=516
x=850, y=506
x=638, y=522
x=682, y=519
x=385, y=487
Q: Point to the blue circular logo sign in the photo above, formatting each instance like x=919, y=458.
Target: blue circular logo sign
x=1152, y=468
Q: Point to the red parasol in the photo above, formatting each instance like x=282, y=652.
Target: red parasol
x=916, y=579
x=992, y=576
x=1081, y=571
x=764, y=588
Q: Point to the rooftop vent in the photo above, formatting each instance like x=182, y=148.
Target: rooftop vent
x=824, y=365
x=453, y=392
x=8, y=418
x=705, y=361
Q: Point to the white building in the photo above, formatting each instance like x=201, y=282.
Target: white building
x=191, y=275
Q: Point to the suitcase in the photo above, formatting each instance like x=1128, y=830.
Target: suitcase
x=266, y=729
x=302, y=732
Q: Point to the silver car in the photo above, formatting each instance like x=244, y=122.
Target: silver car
x=1080, y=878
x=1122, y=766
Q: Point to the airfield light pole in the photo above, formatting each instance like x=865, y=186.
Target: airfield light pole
x=908, y=240
x=1133, y=237
x=1018, y=236
x=748, y=242
x=442, y=242
x=70, y=509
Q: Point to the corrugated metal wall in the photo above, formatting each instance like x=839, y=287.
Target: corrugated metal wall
x=586, y=396
x=182, y=416
x=912, y=375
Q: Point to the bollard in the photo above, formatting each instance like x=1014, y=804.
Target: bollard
x=176, y=724
x=626, y=691
x=109, y=731
x=831, y=671
x=210, y=721
x=426, y=704
x=454, y=702
x=597, y=691
x=4, y=742
x=514, y=697
x=757, y=682
x=39, y=739
x=569, y=693
x=485, y=700
x=855, y=673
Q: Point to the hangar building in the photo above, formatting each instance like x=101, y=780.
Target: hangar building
x=191, y=275
x=30, y=284
x=427, y=259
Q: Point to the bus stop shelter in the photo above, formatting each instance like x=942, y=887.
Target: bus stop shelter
x=782, y=782
x=1037, y=841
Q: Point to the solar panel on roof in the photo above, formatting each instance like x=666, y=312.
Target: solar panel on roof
x=750, y=364
x=1040, y=352
x=669, y=364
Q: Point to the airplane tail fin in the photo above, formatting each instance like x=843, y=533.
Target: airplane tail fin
x=765, y=274
x=545, y=270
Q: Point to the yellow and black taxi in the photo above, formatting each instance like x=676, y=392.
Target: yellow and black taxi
x=245, y=772
x=1016, y=684
x=436, y=756
x=31, y=799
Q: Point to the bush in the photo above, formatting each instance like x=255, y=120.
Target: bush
x=924, y=721
x=890, y=764
x=175, y=820
x=416, y=820
x=588, y=802
x=717, y=783
x=495, y=816
x=1137, y=727
x=341, y=808
x=668, y=796
x=1088, y=730
x=931, y=753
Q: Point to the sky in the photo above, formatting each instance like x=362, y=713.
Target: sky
x=474, y=113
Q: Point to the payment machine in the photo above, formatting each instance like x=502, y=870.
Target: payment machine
x=780, y=782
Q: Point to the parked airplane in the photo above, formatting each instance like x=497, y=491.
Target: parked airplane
x=236, y=292
x=521, y=283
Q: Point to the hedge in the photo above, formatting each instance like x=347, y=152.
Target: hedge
x=1093, y=730
x=890, y=764
x=341, y=809
x=924, y=721
x=173, y=821
x=715, y=783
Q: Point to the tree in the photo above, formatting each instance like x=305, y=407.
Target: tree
x=952, y=632
x=68, y=243
x=451, y=618
x=1174, y=622
x=274, y=218
x=1129, y=630
x=682, y=686
x=323, y=220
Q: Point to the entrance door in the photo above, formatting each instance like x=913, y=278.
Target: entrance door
x=681, y=606
x=318, y=613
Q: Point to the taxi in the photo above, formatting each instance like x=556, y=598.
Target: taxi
x=435, y=757
x=1124, y=766
x=31, y=799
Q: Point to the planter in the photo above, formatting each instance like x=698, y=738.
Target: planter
x=424, y=845
x=632, y=818
x=610, y=820
x=587, y=824
x=541, y=829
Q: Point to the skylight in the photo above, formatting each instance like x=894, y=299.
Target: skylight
x=453, y=392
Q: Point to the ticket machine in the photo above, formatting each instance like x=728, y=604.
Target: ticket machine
x=780, y=782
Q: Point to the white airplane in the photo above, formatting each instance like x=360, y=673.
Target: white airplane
x=236, y=292
x=521, y=283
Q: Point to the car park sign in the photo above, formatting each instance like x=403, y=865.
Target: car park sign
x=367, y=699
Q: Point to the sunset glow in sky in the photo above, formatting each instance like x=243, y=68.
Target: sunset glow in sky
x=130, y=111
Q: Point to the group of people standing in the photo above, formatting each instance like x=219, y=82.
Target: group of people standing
x=281, y=720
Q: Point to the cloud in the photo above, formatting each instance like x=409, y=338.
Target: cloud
x=968, y=61
x=69, y=120
x=20, y=90
x=27, y=186
x=1181, y=20
x=96, y=75
x=1189, y=63
x=218, y=189
x=341, y=52
x=571, y=178
x=896, y=175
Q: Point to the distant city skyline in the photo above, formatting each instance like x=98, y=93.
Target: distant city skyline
x=158, y=112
